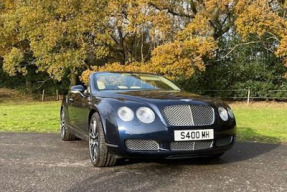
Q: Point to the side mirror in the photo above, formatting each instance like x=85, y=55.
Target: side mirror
x=77, y=89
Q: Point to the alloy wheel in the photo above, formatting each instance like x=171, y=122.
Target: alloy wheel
x=63, y=124
x=93, y=140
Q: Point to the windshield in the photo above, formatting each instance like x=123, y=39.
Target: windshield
x=132, y=81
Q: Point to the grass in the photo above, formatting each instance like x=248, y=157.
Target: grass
x=260, y=121
x=29, y=117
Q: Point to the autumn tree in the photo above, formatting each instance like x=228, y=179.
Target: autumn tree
x=175, y=38
x=61, y=35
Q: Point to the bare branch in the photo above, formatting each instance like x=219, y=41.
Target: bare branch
x=170, y=11
x=193, y=7
x=114, y=39
x=238, y=45
x=274, y=36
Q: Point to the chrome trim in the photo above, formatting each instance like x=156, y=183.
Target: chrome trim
x=111, y=145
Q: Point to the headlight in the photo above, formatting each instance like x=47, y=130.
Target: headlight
x=126, y=114
x=230, y=113
x=145, y=115
x=223, y=113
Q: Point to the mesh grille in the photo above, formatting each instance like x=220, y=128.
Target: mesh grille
x=202, y=115
x=189, y=115
x=190, y=145
x=142, y=145
x=178, y=115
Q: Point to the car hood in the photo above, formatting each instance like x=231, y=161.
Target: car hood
x=157, y=96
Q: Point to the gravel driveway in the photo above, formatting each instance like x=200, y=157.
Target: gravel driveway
x=41, y=162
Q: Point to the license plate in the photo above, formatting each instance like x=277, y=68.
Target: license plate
x=193, y=135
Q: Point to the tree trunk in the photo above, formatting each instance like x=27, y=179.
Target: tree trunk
x=28, y=84
x=73, y=79
x=122, y=44
x=142, y=47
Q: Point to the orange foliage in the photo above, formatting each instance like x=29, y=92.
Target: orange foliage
x=257, y=18
x=173, y=38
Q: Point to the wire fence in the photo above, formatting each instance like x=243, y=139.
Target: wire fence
x=246, y=94
x=228, y=95
x=44, y=95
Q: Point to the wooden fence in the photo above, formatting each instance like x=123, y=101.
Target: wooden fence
x=246, y=94
x=235, y=95
x=43, y=96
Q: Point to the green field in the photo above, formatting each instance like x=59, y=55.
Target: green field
x=263, y=122
x=29, y=117
x=257, y=122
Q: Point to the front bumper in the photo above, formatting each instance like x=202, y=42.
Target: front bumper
x=164, y=136
x=219, y=145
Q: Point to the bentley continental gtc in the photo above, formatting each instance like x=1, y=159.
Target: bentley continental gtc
x=139, y=115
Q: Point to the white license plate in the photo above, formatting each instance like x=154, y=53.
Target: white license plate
x=193, y=135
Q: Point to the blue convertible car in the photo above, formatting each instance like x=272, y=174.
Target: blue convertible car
x=128, y=115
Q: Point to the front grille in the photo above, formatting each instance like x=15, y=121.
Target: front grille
x=189, y=115
x=141, y=145
x=190, y=145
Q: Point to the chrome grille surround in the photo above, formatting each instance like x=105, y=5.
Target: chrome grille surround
x=190, y=145
x=141, y=145
x=189, y=115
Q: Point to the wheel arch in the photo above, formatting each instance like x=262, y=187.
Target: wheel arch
x=108, y=121
x=61, y=109
x=92, y=111
x=95, y=110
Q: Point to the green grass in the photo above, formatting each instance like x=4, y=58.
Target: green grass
x=257, y=122
x=262, y=124
x=29, y=117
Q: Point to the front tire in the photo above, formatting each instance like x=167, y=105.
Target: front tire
x=99, y=154
x=64, y=132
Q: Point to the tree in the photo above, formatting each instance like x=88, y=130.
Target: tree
x=61, y=35
x=176, y=38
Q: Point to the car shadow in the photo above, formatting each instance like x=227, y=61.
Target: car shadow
x=241, y=151
x=146, y=174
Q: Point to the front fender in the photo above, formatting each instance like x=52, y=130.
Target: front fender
x=108, y=114
x=115, y=128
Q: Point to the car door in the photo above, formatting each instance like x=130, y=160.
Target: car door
x=79, y=111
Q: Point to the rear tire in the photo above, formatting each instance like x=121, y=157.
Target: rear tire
x=99, y=154
x=64, y=132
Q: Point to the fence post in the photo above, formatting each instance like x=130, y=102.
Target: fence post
x=43, y=95
x=57, y=95
x=248, y=96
